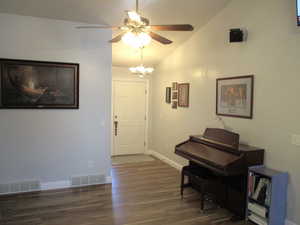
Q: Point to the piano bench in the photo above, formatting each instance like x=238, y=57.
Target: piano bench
x=203, y=183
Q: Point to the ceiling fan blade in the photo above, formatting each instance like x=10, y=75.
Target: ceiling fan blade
x=98, y=27
x=174, y=27
x=117, y=38
x=160, y=39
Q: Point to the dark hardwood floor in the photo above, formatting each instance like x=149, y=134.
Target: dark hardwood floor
x=144, y=193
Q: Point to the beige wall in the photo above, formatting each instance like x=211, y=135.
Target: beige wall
x=271, y=53
x=121, y=72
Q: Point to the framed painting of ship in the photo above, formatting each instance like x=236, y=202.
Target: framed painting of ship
x=38, y=85
x=235, y=96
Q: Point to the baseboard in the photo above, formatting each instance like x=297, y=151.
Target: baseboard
x=18, y=192
x=55, y=185
x=288, y=222
x=108, y=180
x=165, y=159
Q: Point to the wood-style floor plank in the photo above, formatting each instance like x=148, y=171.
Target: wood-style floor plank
x=144, y=193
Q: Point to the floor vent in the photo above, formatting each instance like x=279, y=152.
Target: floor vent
x=87, y=180
x=26, y=186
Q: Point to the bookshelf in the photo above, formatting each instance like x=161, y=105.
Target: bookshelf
x=266, y=196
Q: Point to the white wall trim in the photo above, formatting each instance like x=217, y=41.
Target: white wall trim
x=20, y=192
x=288, y=222
x=165, y=159
x=55, y=185
x=108, y=180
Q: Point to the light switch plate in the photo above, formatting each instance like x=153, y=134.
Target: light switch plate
x=295, y=139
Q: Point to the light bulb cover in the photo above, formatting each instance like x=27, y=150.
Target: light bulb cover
x=136, y=40
x=141, y=70
x=134, y=16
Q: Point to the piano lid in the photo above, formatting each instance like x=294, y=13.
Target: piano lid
x=207, y=154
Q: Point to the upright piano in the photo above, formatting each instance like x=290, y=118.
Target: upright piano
x=218, y=153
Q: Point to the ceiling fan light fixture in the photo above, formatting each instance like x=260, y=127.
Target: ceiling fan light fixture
x=136, y=40
x=141, y=70
x=134, y=16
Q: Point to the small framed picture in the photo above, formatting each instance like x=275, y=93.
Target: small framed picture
x=168, y=95
x=183, y=95
x=235, y=96
x=174, y=86
x=174, y=105
x=175, y=95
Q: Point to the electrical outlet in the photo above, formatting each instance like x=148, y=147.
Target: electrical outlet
x=295, y=139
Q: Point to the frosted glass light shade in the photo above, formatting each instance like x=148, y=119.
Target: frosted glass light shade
x=136, y=40
x=141, y=70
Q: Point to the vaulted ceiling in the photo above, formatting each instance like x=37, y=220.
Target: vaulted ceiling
x=111, y=12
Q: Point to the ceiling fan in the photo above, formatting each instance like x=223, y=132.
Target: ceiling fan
x=138, y=29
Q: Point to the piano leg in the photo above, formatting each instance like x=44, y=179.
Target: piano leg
x=236, y=218
x=236, y=196
x=185, y=172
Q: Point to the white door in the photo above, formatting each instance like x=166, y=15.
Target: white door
x=129, y=117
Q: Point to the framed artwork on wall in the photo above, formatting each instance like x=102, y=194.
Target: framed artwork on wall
x=38, y=85
x=174, y=86
x=174, y=95
x=183, y=95
x=168, y=95
x=234, y=96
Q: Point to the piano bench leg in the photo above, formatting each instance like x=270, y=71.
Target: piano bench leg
x=203, y=196
x=202, y=203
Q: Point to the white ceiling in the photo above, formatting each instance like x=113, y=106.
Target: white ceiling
x=111, y=12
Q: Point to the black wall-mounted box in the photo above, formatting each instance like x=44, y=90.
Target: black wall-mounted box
x=236, y=35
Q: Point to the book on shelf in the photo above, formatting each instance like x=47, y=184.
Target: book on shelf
x=258, y=209
x=259, y=188
x=250, y=184
x=257, y=219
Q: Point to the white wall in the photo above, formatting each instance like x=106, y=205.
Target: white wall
x=53, y=145
x=271, y=53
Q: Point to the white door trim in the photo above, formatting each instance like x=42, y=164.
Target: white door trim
x=146, y=81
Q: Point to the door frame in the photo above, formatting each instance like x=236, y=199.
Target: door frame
x=135, y=80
